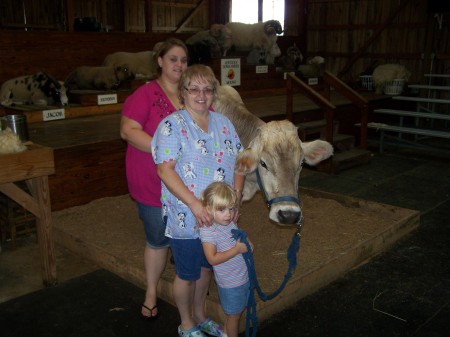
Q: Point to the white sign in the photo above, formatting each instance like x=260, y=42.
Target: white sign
x=231, y=72
x=50, y=115
x=106, y=99
x=313, y=81
x=262, y=69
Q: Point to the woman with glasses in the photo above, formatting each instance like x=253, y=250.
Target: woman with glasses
x=141, y=114
x=192, y=148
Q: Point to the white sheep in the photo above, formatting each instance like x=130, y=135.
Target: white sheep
x=314, y=67
x=249, y=36
x=142, y=64
x=98, y=78
x=389, y=72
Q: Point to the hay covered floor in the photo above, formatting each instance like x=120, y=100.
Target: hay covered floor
x=339, y=234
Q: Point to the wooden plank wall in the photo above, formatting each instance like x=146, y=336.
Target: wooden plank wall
x=58, y=53
x=338, y=29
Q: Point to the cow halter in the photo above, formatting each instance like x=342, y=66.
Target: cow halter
x=274, y=200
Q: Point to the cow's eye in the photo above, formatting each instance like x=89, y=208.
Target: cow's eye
x=263, y=164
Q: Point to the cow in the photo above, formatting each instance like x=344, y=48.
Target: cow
x=98, y=78
x=39, y=89
x=273, y=151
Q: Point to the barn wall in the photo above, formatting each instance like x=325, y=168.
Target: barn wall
x=59, y=53
x=376, y=32
x=352, y=35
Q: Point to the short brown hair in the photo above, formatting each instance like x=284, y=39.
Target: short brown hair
x=197, y=71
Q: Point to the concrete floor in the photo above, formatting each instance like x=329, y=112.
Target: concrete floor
x=403, y=292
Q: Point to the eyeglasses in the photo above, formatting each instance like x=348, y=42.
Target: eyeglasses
x=196, y=91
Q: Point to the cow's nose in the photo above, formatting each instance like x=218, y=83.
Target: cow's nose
x=288, y=216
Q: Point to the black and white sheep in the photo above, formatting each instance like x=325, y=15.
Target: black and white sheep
x=38, y=89
x=98, y=78
x=291, y=61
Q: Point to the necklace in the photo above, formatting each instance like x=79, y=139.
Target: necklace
x=172, y=96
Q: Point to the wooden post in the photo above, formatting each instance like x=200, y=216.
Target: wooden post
x=40, y=191
x=33, y=166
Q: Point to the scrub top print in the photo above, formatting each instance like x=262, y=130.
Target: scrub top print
x=201, y=158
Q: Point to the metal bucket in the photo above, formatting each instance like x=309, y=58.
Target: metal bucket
x=18, y=125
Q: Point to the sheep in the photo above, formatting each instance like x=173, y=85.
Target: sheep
x=98, y=78
x=389, y=72
x=142, y=64
x=259, y=56
x=207, y=44
x=291, y=61
x=314, y=67
x=39, y=89
x=261, y=35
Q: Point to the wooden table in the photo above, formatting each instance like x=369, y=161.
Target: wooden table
x=33, y=166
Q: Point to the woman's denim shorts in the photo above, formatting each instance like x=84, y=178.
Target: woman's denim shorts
x=151, y=217
x=189, y=258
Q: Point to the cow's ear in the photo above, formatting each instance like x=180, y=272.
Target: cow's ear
x=246, y=162
x=316, y=151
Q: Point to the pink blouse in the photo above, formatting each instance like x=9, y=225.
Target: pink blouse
x=148, y=105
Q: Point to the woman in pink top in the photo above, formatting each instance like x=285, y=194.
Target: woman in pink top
x=141, y=114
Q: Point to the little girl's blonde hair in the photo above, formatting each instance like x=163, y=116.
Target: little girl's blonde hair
x=218, y=195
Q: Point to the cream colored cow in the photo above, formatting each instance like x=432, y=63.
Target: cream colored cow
x=275, y=151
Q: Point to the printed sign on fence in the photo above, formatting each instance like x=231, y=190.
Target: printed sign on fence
x=231, y=72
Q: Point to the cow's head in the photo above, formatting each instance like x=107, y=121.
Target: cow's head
x=277, y=154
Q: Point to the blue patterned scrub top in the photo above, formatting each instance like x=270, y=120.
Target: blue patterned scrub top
x=201, y=158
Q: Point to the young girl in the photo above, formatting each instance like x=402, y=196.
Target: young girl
x=224, y=253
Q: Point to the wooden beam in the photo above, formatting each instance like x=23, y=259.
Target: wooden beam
x=189, y=16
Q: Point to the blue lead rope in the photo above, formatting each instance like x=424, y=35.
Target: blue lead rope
x=251, y=317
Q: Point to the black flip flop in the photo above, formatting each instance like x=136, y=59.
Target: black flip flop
x=151, y=317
